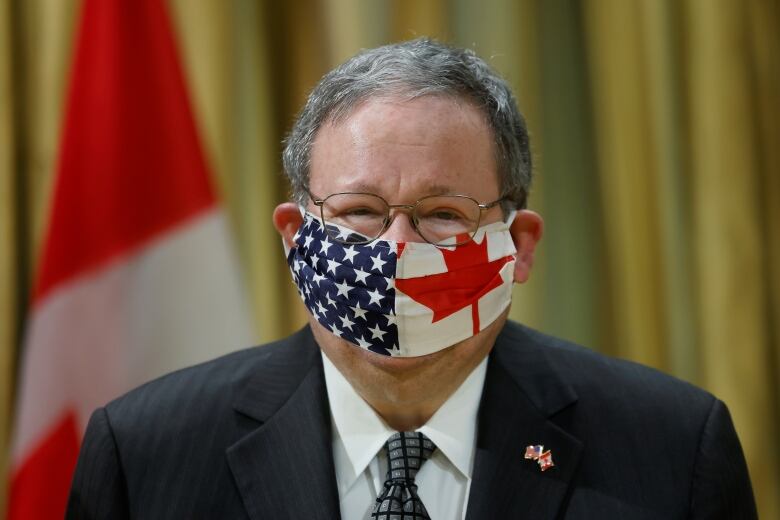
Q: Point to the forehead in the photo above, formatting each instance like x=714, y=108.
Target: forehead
x=406, y=149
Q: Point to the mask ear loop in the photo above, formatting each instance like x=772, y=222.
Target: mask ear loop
x=287, y=248
x=495, y=227
x=510, y=217
x=500, y=225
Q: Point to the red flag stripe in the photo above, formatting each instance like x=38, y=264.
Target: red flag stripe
x=52, y=463
x=129, y=142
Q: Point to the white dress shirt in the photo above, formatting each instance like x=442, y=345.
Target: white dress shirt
x=359, y=435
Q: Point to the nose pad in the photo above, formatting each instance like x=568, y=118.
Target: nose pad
x=401, y=228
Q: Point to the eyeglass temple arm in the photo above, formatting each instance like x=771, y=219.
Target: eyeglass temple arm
x=315, y=199
x=490, y=205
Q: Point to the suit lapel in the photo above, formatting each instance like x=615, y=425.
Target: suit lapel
x=522, y=395
x=284, y=468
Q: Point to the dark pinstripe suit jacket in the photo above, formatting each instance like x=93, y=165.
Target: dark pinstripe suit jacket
x=248, y=436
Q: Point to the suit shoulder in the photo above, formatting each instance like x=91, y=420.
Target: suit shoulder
x=603, y=379
x=651, y=442
x=210, y=385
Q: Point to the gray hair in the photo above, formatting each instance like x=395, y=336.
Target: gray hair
x=413, y=69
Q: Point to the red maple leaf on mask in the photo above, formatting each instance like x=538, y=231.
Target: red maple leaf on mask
x=468, y=278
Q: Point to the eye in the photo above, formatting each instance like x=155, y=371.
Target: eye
x=360, y=212
x=444, y=214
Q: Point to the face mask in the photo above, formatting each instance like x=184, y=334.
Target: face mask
x=403, y=299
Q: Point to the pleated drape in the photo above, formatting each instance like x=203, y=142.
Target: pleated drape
x=688, y=222
x=8, y=253
x=730, y=232
x=35, y=42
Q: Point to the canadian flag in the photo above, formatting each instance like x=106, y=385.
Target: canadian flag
x=453, y=293
x=138, y=275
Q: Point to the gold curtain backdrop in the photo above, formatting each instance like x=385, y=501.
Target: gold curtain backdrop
x=654, y=129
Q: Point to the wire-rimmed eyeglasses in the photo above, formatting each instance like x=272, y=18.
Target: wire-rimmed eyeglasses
x=360, y=218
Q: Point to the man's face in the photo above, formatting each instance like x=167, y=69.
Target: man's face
x=406, y=150
x=403, y=151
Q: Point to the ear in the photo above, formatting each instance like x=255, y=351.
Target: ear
x=526, y=230
x=287, y=219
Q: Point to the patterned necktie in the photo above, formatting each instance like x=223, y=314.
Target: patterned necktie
x=406, y=451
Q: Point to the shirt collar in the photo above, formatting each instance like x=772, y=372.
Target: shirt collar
x=359, y=433
x=453, y=427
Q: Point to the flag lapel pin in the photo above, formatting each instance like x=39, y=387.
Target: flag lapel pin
x=543, y=458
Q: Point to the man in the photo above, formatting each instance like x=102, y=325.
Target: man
x=410, y=395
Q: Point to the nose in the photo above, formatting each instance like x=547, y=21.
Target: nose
x=401, y=228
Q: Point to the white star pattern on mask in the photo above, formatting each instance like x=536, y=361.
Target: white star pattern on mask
x=378, y=263
x=317, y=278
x=322, y=309
x=376, y=332
x=343, y=289
x=375, y=297
x=359, y=313
x=346, y=290
x=349, y=254
x=324, y=246
x=360, y=276
x=346, y=322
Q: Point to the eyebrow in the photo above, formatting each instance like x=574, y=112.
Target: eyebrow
x=430, y=189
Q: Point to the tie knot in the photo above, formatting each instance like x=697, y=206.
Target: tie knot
x=406, y=451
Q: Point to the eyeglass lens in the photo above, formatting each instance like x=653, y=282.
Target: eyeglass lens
x=438, y=219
